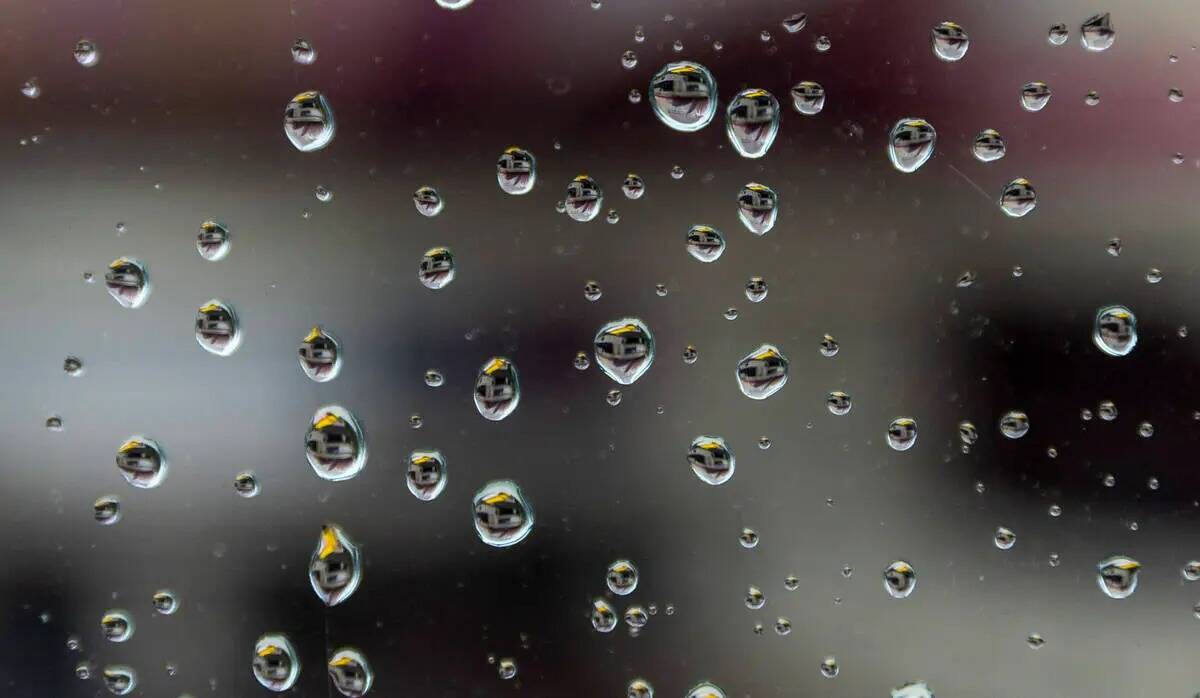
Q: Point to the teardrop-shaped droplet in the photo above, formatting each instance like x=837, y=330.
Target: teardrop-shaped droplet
x=1018, y=198
x=334, y=445
x=1117, y=576
x=128, y=282
x=308, y=121
x=711, y=460
x=213, y=241
x=902, y=433
x=705, y=690
x=426, y=476
x=1115, y=332
x=303, y=52
x=516, y=171
x=989, y=145
x=335, y=569
x=624, y=349
x=320, y=355
x=217, y=328
x=142, y=462
x=950, y=41
x=351, y=674
x=1034, y=96
x=758, y=207
x=762, y=372
x=497, y=389
x=622, y=577
x=437, y=268
x=899, y=579
x=808, y=97
x=1097, y=33
x=684, y=96
x=705, y=243
x=116, y=625
x=752, y=122
x=584, y=199
x=276, y=664
x=428, y=201
x=87, y=54
x=911, y=144
x=502, y=516
x=120, y=680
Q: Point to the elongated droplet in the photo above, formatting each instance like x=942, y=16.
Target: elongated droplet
x=899, y=579
x=334, y=445
x=516, y=171
x=684, y=96
x=213, y=241
x=437, y=268
x=320, y=355
x=950, y=42
x=911, y=144
x=426, y=475
x=497, y=389
x=128, y=281
x=752, y=122
x=758, y=207
x=276, y=664
x=217, y=328
x=584, y=199
x=351, y=674
x=308, y=121
x=335, y=569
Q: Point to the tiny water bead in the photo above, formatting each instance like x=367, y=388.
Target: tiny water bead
x=705, y=243
x=165, y=601
x=334, y=570
x=351, y=674
x=592, y=291
x=1175, y=94
x=127, y=281
x=1055, y=511
x=635, y=96
x=246, y=484
x=624, y=349
x=276, y=665
x=762, y=372
x=829, y=667
x=1018, y=198
x=217, y=329
x=838, y=403
x=1004, y=538
x=748, y=538
x=911, y=144
x=584, y=199
x=613, y=217
x=822, y=44
x=783, y=626
x=690, y=354
x=116, y=625
x=633, y=187
x=86, y=53
x=303, y=52
x=1117, y=576
x=635, y=617
x=107, y=509
x=334, y=445
x=506, y=668
x=502, y=515
x=119, y=679
x=582, y=362
x=323, y=193
x=434, y=378
x=31, y=88
x=829, y=346
x=54, y=423
x=604, y=618
x=142, y=462
x=516, y=171
x=1057, y=35
x=213, y=240
x=629, y=60
x=902, y=433
x=1035, y=641
x=684, y=95
x=1154, y=276
x=1097, y=33
x=436, y=269
x=756, y=289
x=711, y=460
x=416, y=421
x=757, y=208
x=755, y=598
x=308, y=121
x=989, y=145
x=677, y=172
x=497, y=389
x=1092, y=98
x=639, y=688
x=752, y=122
x=1115, y=333
x=320, y=355
x=791, y=582
x=1145, y=430
x=1034, y=96
x=428, y=201
x=705, y=690
x=1014, y=424
x=950, y=41
x=1191, y=570
x=73, y=366
x=764, y=442
x=899, y=579
x=426, y=475
x=808, y=97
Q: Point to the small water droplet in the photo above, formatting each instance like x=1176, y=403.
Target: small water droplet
x=1115, y=333
x=1035, y=96
x=275, y=664
x=757, y=209
x=116, y=625
x=246, y=484
x=1117, y=576
x=217, y=329
x=120, y=680
x=308, y=121
x=87, y=54
x=762, y=372
x=128, y=282
x=604, y=619
x=1018, y=198
x=31, y=88
x=334, y=445
x=303, y=52
x=838, y=403
x=950, y=41
x=107, y=509
x=1097, y=33
x=584, y=199
x=142, y=462
x=1004, y=538
x=426, y=476
x=989, y=145
x=516, y=171
x=902, y=433
x=1057, y=35
x=165, y=601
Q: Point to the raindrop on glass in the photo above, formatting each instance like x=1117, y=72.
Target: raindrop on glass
x=752, y=122
x=334, y=570
x=303, y=52
x=705, y=243
x=911, y=144
x=989, y=145
x=762, y=372
x=711, y=460
x=950, y=41
x=516, y=171
x=308, y=121
x=87, y=54
x=684, y=95
x=1115, y=334
x=351, y=674
x=334, y=444
x=426, y=476
x=757, y=208
x=275, y=663
x=1097, y=33
x=142, y=462
x=1018, y=198
x=902, y=433
x=584, y=199
x=1117, y=576
x=217, y=328
x=502, y=516
x=1034, y=96
x=128, y=282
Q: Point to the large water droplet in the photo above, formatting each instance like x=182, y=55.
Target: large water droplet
x=584, y=199
x=604, y=618
x=705, y=690
x=320, y=355
x=1014, y=424
x=1115, y=334
x=308, y=121
x=213, y=241
x=116, y=625
x=426, y=474
x=142, y=462
x=128, y=282
x=622, y=577
x=624, y=349
x=705, y=243
x=1035, y=95
x=989, y=145
x=1018, y=198
x=752, y=122
x=497, y=389
x=950, y=41
x=516, y=171
x=711, y=460
x=911, y=144
x=120, y=680
x=502, y=516
x=899, y=579
x=1117, y=576
x=684, y=96
x=808, y=97
x=217, y=328
x=275, y=665
x=335, y=569
x=838, y=403
x=762, y=372
x=1097, y=33
x=334, y=445
x=87, y=54
x=351, y=674
x=902, y=433
x=757, y=208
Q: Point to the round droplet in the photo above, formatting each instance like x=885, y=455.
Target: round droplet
x=829, y=346
x=87, y=54
x=54, y=423
x=107, y=509
x=762, y=372
x=1034, y=96
x=31, y=88
x=1018, y=198
x=604, y=619
x=1055, y=511
x=1191, y=571
x=303, y=52
x=128, y=282
x=635, y=617
x=334, y=444
x=120, y=680
x=581, y=361
x=902, y=433
x=783, y=626
x=213, y=241
x=335, y=570
x=1014, y=424
x=911, y=143
x=351, y=674
x=437, y=268
x=755, y=598
x=629, y=60
x=320, y=355
x=217, y=328
x=690, y=354
x=624, y=349
x=1107, y=410
x=829, y=667
x=764, y=442
x=165, y=601
x=613, y=398
x=308, y=121
x=1092, y=98
x=757, y=208
x=639, y=688
x=142, y=462
x=1057, y=35
x=506, y=669
x=416, y=421
x=1117, y=576
x=752, y=122
x=516, y=171
x=748, y=538
x=434, y=378
x=950, y=41
x=677, y=172
x=838, y=403
x=621, y=577
x=613, y=217
x=1115, y=334
x=1004, y=538
x=592, y=291
x=756, y=289
x=1109, y=480
x=584, y=199
x=705, y=690
x=497, y=389
x=116, y=625
x=1097, y=33
x=791, y=582
x=633, y=186
x=1154, y=276
x=275, y=664
x=711, y=460
x=684, y=95
x=73, y=366
x=426, y=476
x=989, y=145
x=323, y=193
x=808, y=97
x=1145, y=430
x=899, y=579
x=822, y=44
x=428, y=201
x=502, y=516
x=705, y=243
x=246, y=484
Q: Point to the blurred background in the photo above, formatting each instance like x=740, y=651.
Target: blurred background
x=180, y=121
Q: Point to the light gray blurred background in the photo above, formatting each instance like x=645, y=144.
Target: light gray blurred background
x=190, y=97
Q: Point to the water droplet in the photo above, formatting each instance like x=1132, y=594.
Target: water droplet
x=1117, y=576
x=635, y=617
x=757, y=208
x=584, y=199
x=754, y=598
x=624, y=349
x=1107, y=410
x=73, y=366
x=633, y=186
x=950, y=41
x=1035, y=641
x=756, y=289
x=352, y=675
x=303, y=52
x=1057, y=34
x=677, y=46
x=711, y=460
x=762, y=372
x=639, y=34
x=629, y=60
x=989, y=145
x=829, y=346
x=502, y=516
x=415, y=421
x=320, y=355
x=334, y=444
x=275, y=665
x=116, y=625
x=165, y=601
x=794, y=23
x=1034, y=96
x=1092, y=98
x=516, y=171
x=1097, y=32
x=684, y=95
x=308, y=121
x=822, y=44
x=246, y=484
x=128, y=282
x=87, y=54
x=621, y=577
x=217, y=328
x=902, y=433
x=1014, y=424
x=764, y=442
x=613, y=398
x=639, y=688
x=690, y=354
x=705, y=243
x=1054, y=560
x=1109, y=480
x=31, y=88
x=54, y=423
x=434, y=378
x=1152, y=483
x=705, y=690
x=592, y=291
x=213, y=241
x=428, y=201
x=1055, y=511
x=838, y=403
x=604, y=619
x=1191, y=571
x=1145, y=430
x=142, y=462
x=120, y=680
x=426, y=474
x=613, y=217
x=323, y=193
x=677, y=172
x=1154, y=276
x=748, y=538
x=437, y=268
x=107, y=509
x=911, y=144
x=334, y=570
x=1004, y=538
x=1115, y=334
x=752, y=122
x=506, y=669
x=783, y=626
x=912, y=689
x=83, y=671
x=1018, y=198
x=967, y=433
x=635, y=96
x=1177, y=158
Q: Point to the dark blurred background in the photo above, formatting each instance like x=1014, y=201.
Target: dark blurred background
x=181, y=121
